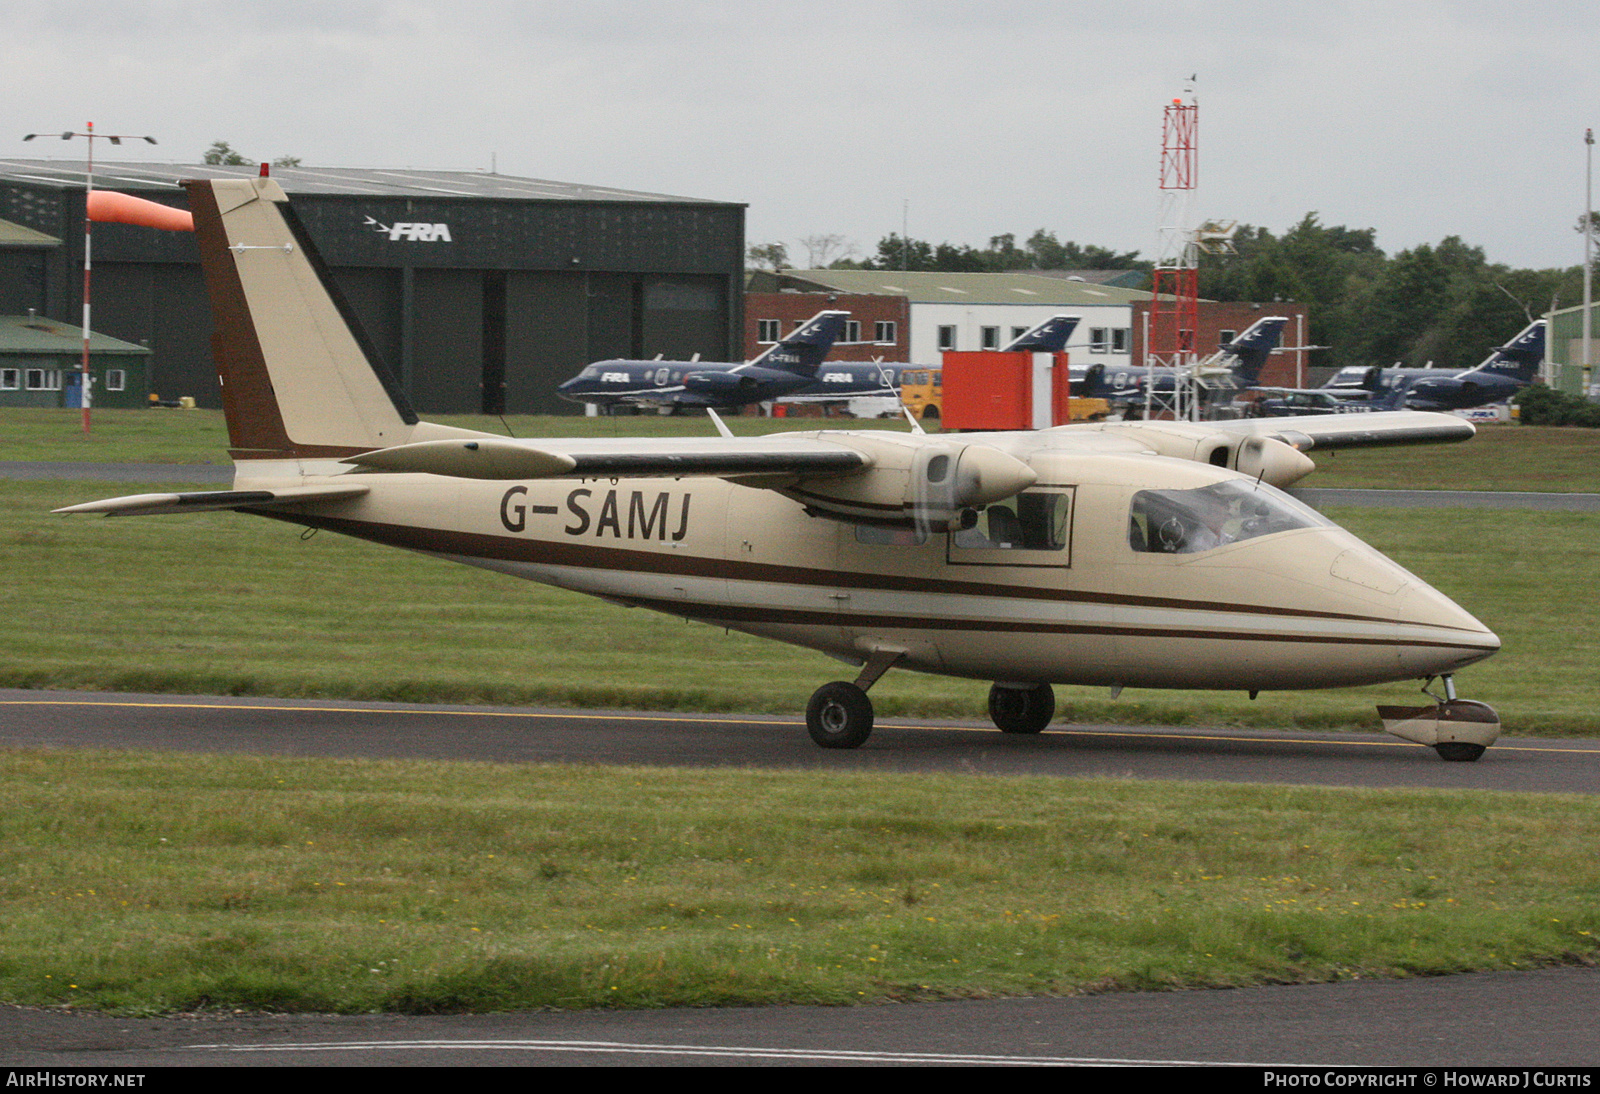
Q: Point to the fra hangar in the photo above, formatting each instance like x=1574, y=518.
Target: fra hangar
x=481, y=291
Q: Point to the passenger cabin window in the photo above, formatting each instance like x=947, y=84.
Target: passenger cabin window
x=1183, y=522
x=1034, y=528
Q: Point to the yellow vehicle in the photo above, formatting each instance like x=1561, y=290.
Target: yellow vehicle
x=922, y=391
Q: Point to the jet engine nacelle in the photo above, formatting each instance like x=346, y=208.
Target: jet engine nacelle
x=936, y=486
x=715, y=383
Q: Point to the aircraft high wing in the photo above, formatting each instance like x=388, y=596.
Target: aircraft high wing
x=1132, y=554
x=787, y=366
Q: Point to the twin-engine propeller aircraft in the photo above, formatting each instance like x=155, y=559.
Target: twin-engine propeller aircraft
x=788, y=365
x=1141, y=554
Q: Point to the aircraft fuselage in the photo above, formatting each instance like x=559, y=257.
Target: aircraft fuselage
x=1081, y=598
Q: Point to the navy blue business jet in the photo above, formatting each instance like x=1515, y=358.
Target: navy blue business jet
x=1234, y=366
x=786, y=367
x=1502, y=374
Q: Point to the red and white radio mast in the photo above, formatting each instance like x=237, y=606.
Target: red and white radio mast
x=1175, y=310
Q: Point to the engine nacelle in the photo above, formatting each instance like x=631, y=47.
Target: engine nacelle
x=932, y=484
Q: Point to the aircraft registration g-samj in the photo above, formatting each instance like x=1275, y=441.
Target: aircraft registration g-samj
x=1141, y=554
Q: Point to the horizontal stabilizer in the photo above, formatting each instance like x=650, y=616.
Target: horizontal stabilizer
x=149, y=504
x=511, y=459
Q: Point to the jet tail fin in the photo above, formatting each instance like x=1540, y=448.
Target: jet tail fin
x=1521, y=357
x=1048, y=337
x=1251, y=349
x=806, y=348
x=298, y=380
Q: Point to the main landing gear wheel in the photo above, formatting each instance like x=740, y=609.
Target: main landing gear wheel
x=839, y=716
x=1021, y=710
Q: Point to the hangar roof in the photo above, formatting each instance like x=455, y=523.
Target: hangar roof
x=31, y=334
x=925, y=287
x=355, y=181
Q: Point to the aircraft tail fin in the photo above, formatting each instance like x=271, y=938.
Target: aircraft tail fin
x=807, y=346
x=1048, y=337
x=298, y=380
x=1521, y=356
x=1251, y=349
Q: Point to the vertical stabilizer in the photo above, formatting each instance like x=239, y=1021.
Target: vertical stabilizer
x=1048, y=337
x=1252, y=348
x=806, y=348
x=297, y=381
x=1520, y=358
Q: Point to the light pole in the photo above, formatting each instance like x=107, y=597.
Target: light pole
x=1588, y=258
x=88, y=188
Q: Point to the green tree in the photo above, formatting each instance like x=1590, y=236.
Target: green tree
x=767, y=256
x=221, y=152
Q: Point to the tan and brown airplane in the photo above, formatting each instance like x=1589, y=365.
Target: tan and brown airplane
x=1137, y=554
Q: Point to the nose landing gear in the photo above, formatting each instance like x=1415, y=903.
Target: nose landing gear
x=1458, y=729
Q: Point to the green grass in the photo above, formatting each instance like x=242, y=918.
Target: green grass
x=223, y=604
x=1499, y=458
x=201, y=436
x=148, y=885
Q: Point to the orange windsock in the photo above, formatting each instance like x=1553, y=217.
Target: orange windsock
x=114, y=208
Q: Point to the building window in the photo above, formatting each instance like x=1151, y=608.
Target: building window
x=991, y=337
x=10, y=379
x=1099, y=340
x=1018, y=332
x=43, y=379
x=1119, y=339
x=947, y=337
x=116, y=379
x=769, y=330
x=886, y=330
x=852, y=331
x=1226, y=336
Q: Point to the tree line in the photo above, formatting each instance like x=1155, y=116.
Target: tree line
x=1442, y=303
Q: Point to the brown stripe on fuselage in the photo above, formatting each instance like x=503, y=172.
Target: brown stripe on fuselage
x=731, y=616
x=592, y=556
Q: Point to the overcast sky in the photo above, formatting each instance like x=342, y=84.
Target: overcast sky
x=1422, y=119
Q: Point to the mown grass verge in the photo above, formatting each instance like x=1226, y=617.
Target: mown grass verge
x=1500, y=457
x=150, y=884
x=223, y=604
x=219, y=604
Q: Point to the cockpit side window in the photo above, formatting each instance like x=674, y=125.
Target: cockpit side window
x=1182, y=522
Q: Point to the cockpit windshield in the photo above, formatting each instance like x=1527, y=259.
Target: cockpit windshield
x=1184, y=522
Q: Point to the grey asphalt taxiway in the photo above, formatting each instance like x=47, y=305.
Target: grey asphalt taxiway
x=1540, y=1018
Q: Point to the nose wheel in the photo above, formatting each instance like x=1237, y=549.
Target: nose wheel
x=1459, y=730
